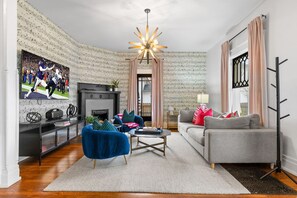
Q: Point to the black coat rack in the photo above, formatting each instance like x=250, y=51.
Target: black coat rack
x=278, y=167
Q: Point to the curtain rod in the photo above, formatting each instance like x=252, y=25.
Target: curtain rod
x=263, y=16
x=144, y=59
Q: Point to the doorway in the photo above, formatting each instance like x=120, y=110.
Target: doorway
x=144, y=96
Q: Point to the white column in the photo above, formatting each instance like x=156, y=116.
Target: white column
x=9, y=95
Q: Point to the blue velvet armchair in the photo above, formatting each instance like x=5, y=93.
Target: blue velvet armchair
x=104, y=144
x=137, y=119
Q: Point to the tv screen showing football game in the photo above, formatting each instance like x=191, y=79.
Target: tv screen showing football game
x=43, y=79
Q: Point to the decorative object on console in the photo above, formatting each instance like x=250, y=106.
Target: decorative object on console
x=71, y=110
x=202, y=99
x=148, y=44
x=54, y=114
x=33, y=117
x=200, y=113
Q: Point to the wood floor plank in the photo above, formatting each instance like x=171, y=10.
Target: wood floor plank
x=35, y=178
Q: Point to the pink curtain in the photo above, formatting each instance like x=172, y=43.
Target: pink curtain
x=224, y=76
x=157, y=93
x=132, y=90
x=257, y=69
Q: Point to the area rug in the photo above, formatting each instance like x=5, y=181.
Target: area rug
x=249, y=176
x=182, y=170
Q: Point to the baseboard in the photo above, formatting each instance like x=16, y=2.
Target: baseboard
x=9, y=176
x=289, y=164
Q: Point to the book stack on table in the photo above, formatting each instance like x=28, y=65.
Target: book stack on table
x=148, y=130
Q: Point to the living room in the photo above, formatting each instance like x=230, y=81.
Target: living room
x=31, y=26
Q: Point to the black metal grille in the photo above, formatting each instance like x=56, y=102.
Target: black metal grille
x=240, y=71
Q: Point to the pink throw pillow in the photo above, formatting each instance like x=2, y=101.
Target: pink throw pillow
x=200, y=114
x=120, y=115
x=131, y=124
x=232, y=115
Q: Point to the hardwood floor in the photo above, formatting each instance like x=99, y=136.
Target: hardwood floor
x=35, y=178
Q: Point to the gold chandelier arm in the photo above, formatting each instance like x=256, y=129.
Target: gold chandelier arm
x=140, y=34
x=135, y=47
x=153, y=35
x=143, y=52
x=160, y=46
x=152, y=53
x=134, y=43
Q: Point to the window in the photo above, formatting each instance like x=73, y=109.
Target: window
x=240, y=84
x=240, y=71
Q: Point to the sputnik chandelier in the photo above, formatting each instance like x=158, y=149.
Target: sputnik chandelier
x=148, y=45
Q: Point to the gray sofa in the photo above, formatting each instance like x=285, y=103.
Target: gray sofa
x=234, y=140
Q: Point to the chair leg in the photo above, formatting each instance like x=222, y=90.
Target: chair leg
x=212, y=165
x=94, y=163
x=125, y=159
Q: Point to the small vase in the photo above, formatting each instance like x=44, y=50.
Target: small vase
x=110, y=89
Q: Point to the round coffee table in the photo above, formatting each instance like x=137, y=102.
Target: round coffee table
x=163, y=135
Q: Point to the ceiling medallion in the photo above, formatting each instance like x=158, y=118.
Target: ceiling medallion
x=148, y=45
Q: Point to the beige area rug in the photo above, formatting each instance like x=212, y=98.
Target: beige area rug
x=183, y=170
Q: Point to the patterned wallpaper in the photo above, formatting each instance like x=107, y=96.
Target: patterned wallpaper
x=184, y=72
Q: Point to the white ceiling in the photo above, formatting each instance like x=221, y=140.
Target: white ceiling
x=187, y=25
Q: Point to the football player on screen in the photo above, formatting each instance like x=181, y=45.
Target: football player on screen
x=42, y=68
x=52, y=84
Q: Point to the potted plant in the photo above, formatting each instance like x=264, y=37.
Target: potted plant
x=115, y=84
x=110, y=87
x=90, y=119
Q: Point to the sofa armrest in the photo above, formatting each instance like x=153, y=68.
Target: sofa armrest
x=139, y=120
x=240, y=145
x=117, y=120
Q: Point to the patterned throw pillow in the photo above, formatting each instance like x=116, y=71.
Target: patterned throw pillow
x=97, y=125
x=198, y=118
x=105, y=126
x=128, y=117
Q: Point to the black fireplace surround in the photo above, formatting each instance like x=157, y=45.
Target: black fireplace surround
x=96, y=91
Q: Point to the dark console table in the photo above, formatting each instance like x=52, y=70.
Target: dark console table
x=38, y=139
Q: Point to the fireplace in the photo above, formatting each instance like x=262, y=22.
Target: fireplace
x=102, y=114
x=96, y=100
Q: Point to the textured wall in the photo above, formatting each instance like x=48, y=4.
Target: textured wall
x=37, y=34
x=184, y=72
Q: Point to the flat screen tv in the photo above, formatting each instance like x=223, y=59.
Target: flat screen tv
x=42, y=78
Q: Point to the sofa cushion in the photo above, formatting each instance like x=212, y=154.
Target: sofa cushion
x=216, y=113
x=197, y=134
x=184, y=126
x=254, y=121
x=231, y=123
x=186, y=115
